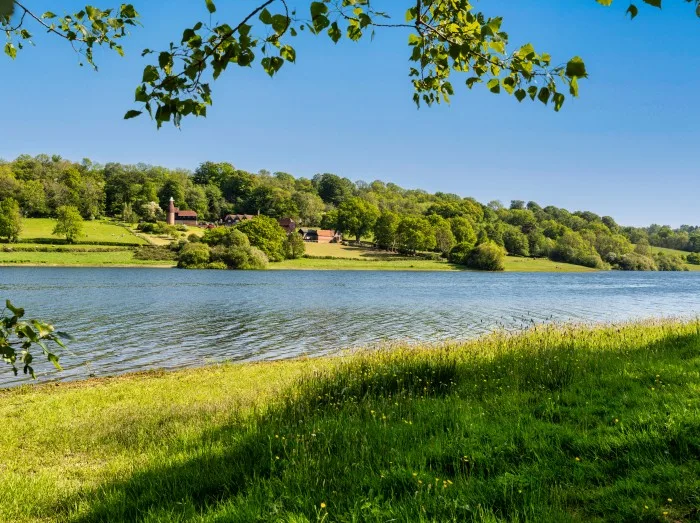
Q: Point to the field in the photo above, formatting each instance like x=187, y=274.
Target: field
x=557, y=424
x=39, y=230
x=356, y=258
x=77, y=259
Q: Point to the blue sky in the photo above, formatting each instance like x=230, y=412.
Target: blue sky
x=627, y=148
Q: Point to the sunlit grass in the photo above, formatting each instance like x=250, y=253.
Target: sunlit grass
x=41, y=229
x=556, y=424
x=78, y=259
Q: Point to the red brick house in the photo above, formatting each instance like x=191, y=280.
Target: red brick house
x=178, y=217
x=320, y=235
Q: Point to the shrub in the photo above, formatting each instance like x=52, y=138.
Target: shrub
x=487, y=257
x=459, y=253
x=193, y=238
x=636, y=262
x=193, y=256
x=669, y=262
x=694, y=258
x=226, y=236
x=572, y=248
x=242, y=258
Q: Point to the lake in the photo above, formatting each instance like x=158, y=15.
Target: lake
x=134, y=319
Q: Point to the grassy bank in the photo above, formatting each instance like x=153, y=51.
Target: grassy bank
x=560, y=424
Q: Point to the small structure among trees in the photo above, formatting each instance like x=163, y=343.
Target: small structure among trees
x=178, y=217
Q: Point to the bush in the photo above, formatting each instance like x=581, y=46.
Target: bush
x=487, y=257
x=154, y=228
x=636, y=262
x=694, y=258
x=193, y=256
x=669, y=262
x=243, y=258
x=459, y=253
x=193, y=238
x=572, y=248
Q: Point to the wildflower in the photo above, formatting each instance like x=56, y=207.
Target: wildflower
x=323, y=505
x=665, y=513
x=670, y=500
x=415, y=474
x=578, y=459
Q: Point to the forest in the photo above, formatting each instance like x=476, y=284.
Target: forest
x=390, y=217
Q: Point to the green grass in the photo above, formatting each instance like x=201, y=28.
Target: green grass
x=554, y=425
x=87, y=259
x=353, y=260
x=36, y=230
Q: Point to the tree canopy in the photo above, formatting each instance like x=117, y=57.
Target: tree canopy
x=444, y=38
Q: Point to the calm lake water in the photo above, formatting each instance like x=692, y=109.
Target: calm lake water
x=131, y=319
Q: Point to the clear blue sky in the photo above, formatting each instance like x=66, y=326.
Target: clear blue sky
x=628, y=147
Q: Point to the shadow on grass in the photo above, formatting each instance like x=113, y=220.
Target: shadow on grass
x=515, y=438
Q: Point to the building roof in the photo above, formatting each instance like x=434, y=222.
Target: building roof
x=186, y=214
x=325, y=232
x=239, y=216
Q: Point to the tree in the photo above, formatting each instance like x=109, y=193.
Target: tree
x=357, y=217
x=69, y=223
x=266, y=234
x=10, y=220
x=18, y=336
x=310, y=207
x=294, y=246
x=32, y=197
x=463, y=230
x=515, y=241
x=414, y=234
x=385, y=230
x=332, y=188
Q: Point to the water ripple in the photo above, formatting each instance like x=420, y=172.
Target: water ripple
x=133, y=319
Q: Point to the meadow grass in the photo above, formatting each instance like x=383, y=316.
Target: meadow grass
x=36, y=230
x=397, y=263
x=555, y=424
x=78, y=259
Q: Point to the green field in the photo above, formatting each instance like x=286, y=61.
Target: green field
x=77, y=259
x=40, y=230
x=356, y=258
x=555, y=425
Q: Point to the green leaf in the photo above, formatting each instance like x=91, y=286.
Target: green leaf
x=265, y=17
x=544, y=95
x=48, y=15
x=558, y=99
x=317, y=9
x=150, y=74
x=633, y=11
x=10, y=50
x=131, y=114
x=17, y=311
x=520, y=94
x=494, y=85
x=655, y=3
x=141, y=95
x=210, y=6
x=576, y=68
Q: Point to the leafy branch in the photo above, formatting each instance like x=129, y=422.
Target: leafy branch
x=17, y=337
x=445, y=37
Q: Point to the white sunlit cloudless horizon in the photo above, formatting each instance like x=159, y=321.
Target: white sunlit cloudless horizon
x=627, y=147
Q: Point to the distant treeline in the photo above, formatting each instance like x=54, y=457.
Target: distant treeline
x=394, y=218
